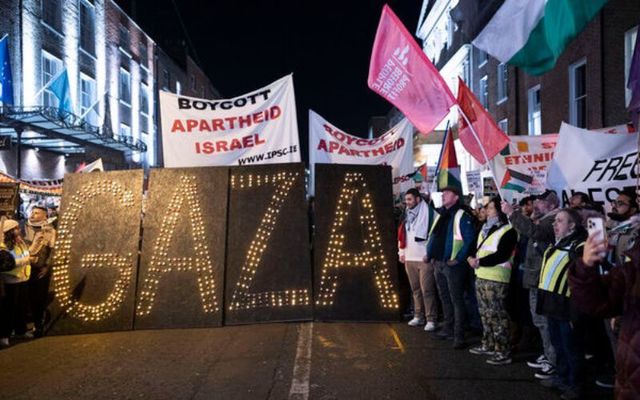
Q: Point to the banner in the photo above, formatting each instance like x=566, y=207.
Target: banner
x=256, y=128
x=330, y=145
x=596, y=163
x=522, y=165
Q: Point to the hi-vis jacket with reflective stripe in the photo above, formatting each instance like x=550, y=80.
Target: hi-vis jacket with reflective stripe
x=500, y=272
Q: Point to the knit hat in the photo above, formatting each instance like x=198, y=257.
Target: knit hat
x=9, y=224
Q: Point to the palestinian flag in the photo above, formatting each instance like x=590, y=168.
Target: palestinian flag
x=532, y=34
x=514, y=180
x=448, y=168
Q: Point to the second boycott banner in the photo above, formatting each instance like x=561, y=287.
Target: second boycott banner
x=330, y=145
x=260, y=127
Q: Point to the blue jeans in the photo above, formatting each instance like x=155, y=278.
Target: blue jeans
x=569, y=353
x=451, y=284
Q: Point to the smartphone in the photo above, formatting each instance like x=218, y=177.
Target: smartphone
x=597, y=225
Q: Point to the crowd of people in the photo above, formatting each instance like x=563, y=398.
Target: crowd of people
x=25, y=274
x=563, y=282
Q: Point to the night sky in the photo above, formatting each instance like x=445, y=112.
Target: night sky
x=244, y=45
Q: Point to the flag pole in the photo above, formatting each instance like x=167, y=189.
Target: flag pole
x=93, y=105
x=35, y=97
x=4, y=37
x=434, y=184
x=484, y=153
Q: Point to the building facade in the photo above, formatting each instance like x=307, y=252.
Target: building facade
x=587, y=87
x=115, y=72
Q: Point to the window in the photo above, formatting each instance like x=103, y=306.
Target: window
x=193, y=83
x=125, y=87
x=630, y=38
x=144, y=109
x=484, y=92
x=466, y=71
x=51, y=67
x=534, y=111
x=52, y=13
x=451, y=28
x=166, y=80
x=503, y=124
x=87, y=27
x=88, y=99
x=124, y=41
x=483, y=58
x=125, y=130
x=502, y=82
x=178, y=88
x=578, y=94
x=144, y=55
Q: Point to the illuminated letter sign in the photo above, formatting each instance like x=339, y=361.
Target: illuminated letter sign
x=277, y=252
x=353, y=240
x=183, y=249
x=95, y=260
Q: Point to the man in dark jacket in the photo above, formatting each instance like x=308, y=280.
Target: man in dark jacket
x=450, y=241
x=541, y=236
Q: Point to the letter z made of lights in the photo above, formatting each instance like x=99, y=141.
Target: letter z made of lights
x=373, y=255
x=62, y=258
x=242, y=298
x=185, y=198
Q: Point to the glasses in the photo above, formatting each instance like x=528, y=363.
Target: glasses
x=620, y=203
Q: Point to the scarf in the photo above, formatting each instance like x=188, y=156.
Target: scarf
x=418, y=220
x=491, y=222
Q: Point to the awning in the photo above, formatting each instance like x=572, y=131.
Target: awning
x=49, y=129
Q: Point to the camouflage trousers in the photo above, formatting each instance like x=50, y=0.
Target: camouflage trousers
x=493, y=313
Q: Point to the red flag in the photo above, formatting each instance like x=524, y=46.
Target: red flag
x=401, y=73
x=491, y=138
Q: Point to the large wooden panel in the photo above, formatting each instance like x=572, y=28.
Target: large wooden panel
x=268, y=261
x=183, y=249
x=96, y=254
x=355, y=244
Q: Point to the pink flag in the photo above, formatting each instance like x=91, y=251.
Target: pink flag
x=401, y=73
x=478, y=132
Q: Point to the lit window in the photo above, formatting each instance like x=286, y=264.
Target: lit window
x=125, y=130
x=578, y=94
x=51, y=67
x=125, y=87
x=483, y=94
x=144, y=109
x=534, y=111
x=178, y=88
x=144, y=54
x=125, y=41
x=88, y=99
x=483, y=58
x=503, y=124
x=502, y=82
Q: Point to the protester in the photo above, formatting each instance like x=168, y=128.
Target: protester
x=40, y=236
x=492, y=263
x=540, y=235
x=415, y=227
x=623, y=209
x=553, y=301
x=13, y=311
x=450, y=239
x=579, y=200
x=612, y=295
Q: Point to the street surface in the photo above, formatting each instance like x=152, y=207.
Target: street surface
x=270, y=361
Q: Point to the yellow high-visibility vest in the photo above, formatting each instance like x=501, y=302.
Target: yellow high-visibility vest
x=487, y=246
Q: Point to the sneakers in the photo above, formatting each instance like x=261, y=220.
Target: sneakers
x=481, y=351
x=539, y=362
x=547, y=371
x=430, y=326
x=25, y=336
x=499, y=359
x=4, y=342
x=416, y=322
x=553, y=383
x=444, y=335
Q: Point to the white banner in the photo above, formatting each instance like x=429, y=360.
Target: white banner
x=528, y=155
x=596, y=163
x=260, y=127
x=330, y=145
